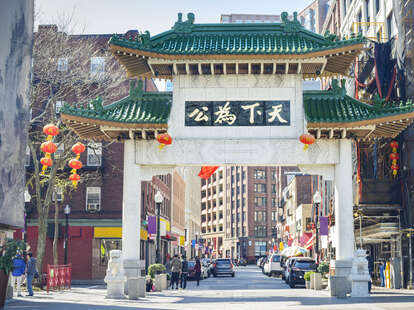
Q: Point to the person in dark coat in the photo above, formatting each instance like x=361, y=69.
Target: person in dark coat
x=184, y=272
x=370, y=260
x=19, y=267
x=31, y=272
x=197, y=269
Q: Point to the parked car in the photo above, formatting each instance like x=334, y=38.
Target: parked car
x=272, y=265
x=296, y=268
x=191, y=272
x=259, y=261
x=223, y=266
x=283, y=261
x=263, y=262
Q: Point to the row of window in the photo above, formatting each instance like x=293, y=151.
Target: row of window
x=261, y=216
x=93, y=198
x=93, y=159
x=97, y=64
x=261, y=188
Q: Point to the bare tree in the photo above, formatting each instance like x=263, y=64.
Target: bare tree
x=63, y=71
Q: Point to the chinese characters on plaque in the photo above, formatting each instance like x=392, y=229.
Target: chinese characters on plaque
x=237, y=113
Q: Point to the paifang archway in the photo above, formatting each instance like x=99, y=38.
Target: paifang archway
x=237, y=100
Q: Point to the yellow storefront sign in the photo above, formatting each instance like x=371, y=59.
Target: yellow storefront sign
x=182, y=240
x=114, y=232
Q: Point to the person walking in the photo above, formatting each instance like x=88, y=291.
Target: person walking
x=184, y=272
x=370, y=269
x=31, y=272
x=197, y=269
x=175, y=271
x=19, y=267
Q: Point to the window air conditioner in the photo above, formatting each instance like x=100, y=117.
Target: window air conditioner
x=93, y=207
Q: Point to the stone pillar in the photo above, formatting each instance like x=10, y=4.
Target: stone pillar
x=131, y=215
x=344, y=221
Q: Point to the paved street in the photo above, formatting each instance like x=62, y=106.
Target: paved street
x=250, y=289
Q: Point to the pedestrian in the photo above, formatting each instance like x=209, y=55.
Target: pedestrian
x=175, y=271
x=19, y=267
x=184, y=272
x=31, y=272
x=370, y=270
x=382, y=274
x=197, y=269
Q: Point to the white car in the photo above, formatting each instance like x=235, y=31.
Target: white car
x=272, y=266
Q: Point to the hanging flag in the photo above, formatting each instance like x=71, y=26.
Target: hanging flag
x=324, y=222
x=152, y=225
x=207, y=171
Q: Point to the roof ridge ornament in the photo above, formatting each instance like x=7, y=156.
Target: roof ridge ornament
x=339, y=90
x=291, y=26
x=136, y=89
x=184, y=27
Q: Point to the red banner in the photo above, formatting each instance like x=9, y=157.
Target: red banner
x=58, y=277
x=207, y=171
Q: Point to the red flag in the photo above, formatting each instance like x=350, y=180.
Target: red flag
x=207, y=171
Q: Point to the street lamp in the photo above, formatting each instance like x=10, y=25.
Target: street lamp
x=67, y=212
x=317, y=201
x=27, y=198
x=158, y=201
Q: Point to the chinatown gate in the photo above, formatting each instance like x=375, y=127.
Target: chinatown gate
x=237, y=100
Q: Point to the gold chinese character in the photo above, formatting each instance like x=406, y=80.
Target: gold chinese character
x=200, y=115
x=224, y=115
x=276, y=113
x=251, y=107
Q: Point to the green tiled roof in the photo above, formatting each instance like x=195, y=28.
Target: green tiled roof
x=138, y=108
x=334, y=106
x=187, y=38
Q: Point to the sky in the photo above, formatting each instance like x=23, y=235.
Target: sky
x=119, y=16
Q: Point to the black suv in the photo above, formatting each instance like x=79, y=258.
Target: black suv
x=296, y=268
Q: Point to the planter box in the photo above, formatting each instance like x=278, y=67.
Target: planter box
x=307, y=283
x=317, y=281
x=161, y=282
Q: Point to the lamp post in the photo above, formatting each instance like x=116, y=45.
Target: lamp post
x=317, y=200
x=67, y=212
x=158, y=201
x=27, y=198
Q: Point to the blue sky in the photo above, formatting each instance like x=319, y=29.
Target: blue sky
x=118, y=16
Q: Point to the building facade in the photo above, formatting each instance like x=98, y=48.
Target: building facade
x=313, y=16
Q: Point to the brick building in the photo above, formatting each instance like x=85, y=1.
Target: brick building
x=96, y=206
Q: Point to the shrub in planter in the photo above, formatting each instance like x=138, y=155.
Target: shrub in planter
x=307, y=275
x=155, y=269
x=323, y=268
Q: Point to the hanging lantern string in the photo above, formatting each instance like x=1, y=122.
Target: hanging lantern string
x=48, y=147
x=75, y=163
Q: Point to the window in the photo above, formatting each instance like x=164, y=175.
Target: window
x=27, y=157
x=57, y=195
x=244, y=188
x=260, y=201
x=62, y=64
x=274, y=188
x=260, y=231
x=260, y=216
x=274, y=203
x=389, y=26
x=93, y=199
x=97, y=64
x=259, y=188
x=58, y=105
x=107, y=245
x=243, y=231
x=367, y=10
x=60, y=150
x=260, y=248
x=308, y=223
x=377, y=6
x=94, y=154
x=259, y=174
x=273, y=216
x=273, y=174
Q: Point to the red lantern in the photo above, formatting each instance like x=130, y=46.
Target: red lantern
x=394, y=146
x=74, y=178
x=75, y=164
x=394, y=156
x=50, y=130
x=48, y=147
x=46, y=161
x=78, y=148
x=164, y=139
x=395, y=169
x=307, y=139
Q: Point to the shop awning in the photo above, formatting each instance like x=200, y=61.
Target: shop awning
x=305, y=237
x=309, y=243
